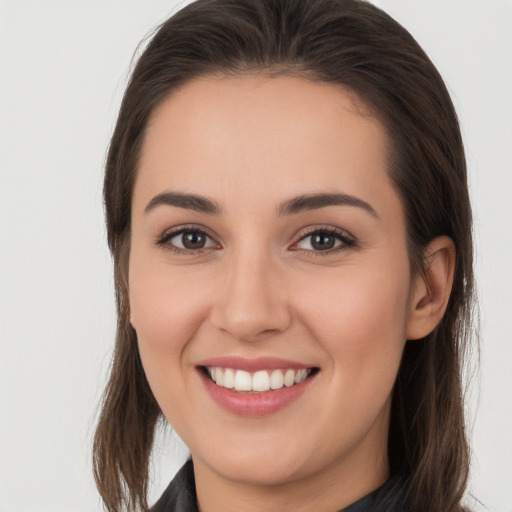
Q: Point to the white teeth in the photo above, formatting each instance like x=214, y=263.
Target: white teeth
x=243, y=381
x=289, y=378
x=300, y=375
x=277, y=379
x=229, y=378
x=260, y=381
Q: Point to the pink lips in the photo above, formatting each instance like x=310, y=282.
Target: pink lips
x=250, y=403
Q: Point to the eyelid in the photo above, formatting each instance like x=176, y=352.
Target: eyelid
x=347, y=240
x=164, y=239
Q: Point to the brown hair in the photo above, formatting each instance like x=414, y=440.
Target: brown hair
x=355, y=44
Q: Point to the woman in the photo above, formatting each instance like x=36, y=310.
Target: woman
x=288, y=212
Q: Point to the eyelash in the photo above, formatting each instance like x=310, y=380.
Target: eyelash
x=347, y=241
x=163, y=241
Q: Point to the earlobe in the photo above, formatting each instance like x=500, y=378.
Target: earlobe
x=432, y=288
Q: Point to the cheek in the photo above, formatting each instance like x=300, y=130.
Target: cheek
x=360, y=318
x=167, y=309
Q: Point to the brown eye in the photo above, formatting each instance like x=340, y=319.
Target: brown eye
x=322, y=241
x=186, y=241
x=193, y=239
x=325, y=241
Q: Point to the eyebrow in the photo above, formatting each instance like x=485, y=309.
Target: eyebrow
x=315, y=201
x=292, y=206
x=188, y=201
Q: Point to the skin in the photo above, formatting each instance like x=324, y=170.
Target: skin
x=259, y=288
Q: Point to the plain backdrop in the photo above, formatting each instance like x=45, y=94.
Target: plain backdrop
x=63, y=68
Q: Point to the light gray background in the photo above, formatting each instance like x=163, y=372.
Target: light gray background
x=63, y=67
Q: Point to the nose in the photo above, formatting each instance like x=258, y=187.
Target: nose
x=251, y=304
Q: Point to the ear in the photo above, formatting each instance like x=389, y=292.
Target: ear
x=432, y=288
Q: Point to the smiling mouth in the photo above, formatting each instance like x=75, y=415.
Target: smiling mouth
x=261, y=381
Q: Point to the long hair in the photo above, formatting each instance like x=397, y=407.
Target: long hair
x=356, y=45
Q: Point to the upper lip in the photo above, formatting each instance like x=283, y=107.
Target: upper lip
x=253, y=365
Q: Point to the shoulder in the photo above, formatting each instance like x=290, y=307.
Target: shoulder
x=387, y=498
x=180, y=495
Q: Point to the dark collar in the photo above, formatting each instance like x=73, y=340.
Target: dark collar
x=180, y=496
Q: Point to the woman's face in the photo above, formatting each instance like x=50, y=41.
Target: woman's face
x=268, y=247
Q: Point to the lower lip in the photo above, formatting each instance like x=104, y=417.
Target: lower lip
x=254, y=404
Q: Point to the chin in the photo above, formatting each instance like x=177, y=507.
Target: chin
x=259, y=471
x=259, y=463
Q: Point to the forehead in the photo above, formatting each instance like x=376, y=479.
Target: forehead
x=260, y=136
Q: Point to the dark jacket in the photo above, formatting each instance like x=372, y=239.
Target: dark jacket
x=180, y=496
